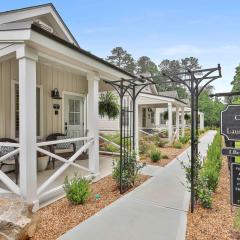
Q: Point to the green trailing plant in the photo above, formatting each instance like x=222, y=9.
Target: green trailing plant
x=77, y=189
x=155, y=154
x=108, y=105
x=130, y=171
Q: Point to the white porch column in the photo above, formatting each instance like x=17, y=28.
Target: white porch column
x=183, y=121
x=92, y=120
x=201, y=120
x=157, y=117
x=177, y=122
x=170, y=122
x=27, y=114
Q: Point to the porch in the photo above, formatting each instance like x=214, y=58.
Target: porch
x=44, y=94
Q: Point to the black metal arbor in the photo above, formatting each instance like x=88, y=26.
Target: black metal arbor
x=195, y=81
x=128, y=91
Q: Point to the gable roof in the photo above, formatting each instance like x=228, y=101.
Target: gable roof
x=172, y=94
x=45, y=11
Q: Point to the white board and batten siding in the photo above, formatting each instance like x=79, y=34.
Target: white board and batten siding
x=48, y=78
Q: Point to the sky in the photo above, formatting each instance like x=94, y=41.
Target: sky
x=159, y=29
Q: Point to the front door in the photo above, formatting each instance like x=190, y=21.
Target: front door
x=74, y=116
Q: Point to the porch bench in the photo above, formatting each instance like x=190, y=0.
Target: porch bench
x=64, y=149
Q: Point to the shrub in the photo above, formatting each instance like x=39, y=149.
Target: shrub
x=206, y=176
x=143, y=147
x=77, y=189
x=177, y=144
x=130, y=171
x=164, y=156
x=162, y=143
x=204, y=194
x=236, y=222
x=111, y=148
x=155, y=155
x=184, y=139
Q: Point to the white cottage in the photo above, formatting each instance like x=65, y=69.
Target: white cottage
x=49, y=86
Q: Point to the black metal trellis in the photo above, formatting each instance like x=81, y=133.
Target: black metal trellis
x=128, y=91
x=132, y=87
x=195, y=84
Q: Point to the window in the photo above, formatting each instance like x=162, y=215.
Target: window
x=74, y=112
x=38, y=112
x=152, y=117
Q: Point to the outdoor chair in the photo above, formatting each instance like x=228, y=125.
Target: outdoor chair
x=12, y=161
x=61, y=148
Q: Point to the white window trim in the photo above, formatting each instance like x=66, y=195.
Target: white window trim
x=84, y=107
x=13, y=110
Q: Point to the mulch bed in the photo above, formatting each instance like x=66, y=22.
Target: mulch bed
x=171, y=152
x=60, y=216
x=217, y=223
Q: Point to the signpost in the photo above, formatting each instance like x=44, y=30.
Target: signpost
x=231, y=152
x=235, y=184
x=230, y=122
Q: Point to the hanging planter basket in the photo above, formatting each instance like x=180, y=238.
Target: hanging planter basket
x=165, y=115
x=108, y=105
x=187, y=117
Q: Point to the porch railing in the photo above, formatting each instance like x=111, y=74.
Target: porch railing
x=11, y=185
x=67, y=162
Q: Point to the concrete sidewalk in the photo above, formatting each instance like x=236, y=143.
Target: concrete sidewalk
x=157, y=210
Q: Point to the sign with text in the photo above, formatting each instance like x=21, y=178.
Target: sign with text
x=235, y=184
x=230, y=122
x=232, y=152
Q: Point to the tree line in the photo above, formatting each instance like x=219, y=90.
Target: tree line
x=210, y=107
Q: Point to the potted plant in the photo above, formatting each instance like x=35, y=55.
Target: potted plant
x=42, y=162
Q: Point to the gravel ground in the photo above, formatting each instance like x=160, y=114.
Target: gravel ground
x=217, y=223
x=60, y=216
x=171, y=152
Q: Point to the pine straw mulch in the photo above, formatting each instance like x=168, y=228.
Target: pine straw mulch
x=60, y=216
x=217, y=223
x=171, y=152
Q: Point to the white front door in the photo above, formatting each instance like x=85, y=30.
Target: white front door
x=74, y=116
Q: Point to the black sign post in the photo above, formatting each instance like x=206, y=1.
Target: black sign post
x=230, y=122
x=235, y=184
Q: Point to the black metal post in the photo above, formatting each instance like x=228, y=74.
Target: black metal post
x=121, y=136
x=192, y=146
x=196, y=121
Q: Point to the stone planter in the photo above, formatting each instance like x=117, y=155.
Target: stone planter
x=42, y=163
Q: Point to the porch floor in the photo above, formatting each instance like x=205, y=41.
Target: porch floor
x=105, y=169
